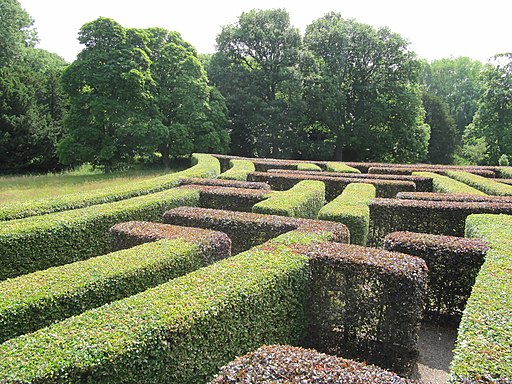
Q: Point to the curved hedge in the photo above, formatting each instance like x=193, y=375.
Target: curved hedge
x=204, y=166
x=239, y=170
x=445, y=184
x=488, y=186
x=334, y=166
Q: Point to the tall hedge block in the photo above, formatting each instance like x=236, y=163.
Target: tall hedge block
x=39, y=242
x=303, y=200
x=488, y=186
x=351, y=209
x=239, y=170
x=445, y=184
x=334, y=166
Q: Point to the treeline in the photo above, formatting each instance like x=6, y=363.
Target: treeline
x=344, y=90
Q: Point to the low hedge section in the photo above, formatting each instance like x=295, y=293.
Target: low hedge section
x=334, y=166
x=308, y=167
x=302, y=200
x=39, y=242
x=351, y=209
x=238, y=171
x=445, y=184
x=33, y=301
x=505, y=173
x=179, y=332
x=403, y=169
x=453, y=263
x=205, y=166
x=286, y=364
x=224, y=183
x=488, y=186
x=483, y=351
x=435, y=196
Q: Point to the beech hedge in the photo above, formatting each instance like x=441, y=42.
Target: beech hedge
x=205, y=166
x=445, y=184
x=435, y=196
x=308, y=167
x=483, y=350
x=39, y=242
x=224, y=183
x=488, y=186
x=351, y=209
x=404, y=169
x=334, y=166
x=238, y=171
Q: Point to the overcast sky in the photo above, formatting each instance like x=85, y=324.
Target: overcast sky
x=435, y=28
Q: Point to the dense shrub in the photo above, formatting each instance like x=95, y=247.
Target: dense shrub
x=453, y=263
x=205, y=166
x=445, y=184
x=488, y=186
x=333, y=166
x=225, y=183
x=434, y=196
x=33, y=301
x=308, y=167
x=39, y=242
x=302, y=200
x=505, y=173
x=483, y=351
x=404, y=169
x=294, y=365
x=351, y=209
x=238, y=171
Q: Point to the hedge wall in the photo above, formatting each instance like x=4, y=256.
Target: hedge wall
x=505, y=173
x=238, y=171
x=205, y=166
x=491, y=187
x=435, y=196
x=351, y=209
x=333, y=166
x=178, y=332
x=398, y=169
x=33, y=301
x=39, y=242
x=225, y=183
x=302, y=200
x=483, y=351
x=308, y=167
x=453, y=263
x=286, y=364
x=444, y=184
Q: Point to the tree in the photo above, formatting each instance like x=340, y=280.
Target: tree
x=493, y=119
x=443, y=134
x=255, y=68
x=362, y=84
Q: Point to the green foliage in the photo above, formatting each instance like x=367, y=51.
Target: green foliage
x=484, y=184
x=505, y=173
x=445, y=184
x=372, y=112
x=333, y=166
x=303, y=200
x=483, y=350
x=308, y=167
x=178, y=332
x=239, y=170
x=503, y=160
x=351, y=209
x=39, y=242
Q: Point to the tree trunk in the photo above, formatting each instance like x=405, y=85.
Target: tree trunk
x=338, y=150
x=165, y=157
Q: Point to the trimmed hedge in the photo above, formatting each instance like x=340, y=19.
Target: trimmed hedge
x=205, y=166
x=225, y=183
x=453, y=263
x=334, y=166
x=286, y=364
x=238, y=171
x=351, y=209
x=434, y=196
x=334, y=186
x=444, y=184
x=411, y=169
x=308, y=167
x=303, y=200
x=39, y=242
x=33, y=301
x=178, y=332
x=488, y=186
x=483, y=351
x=436, y=217
x=249, y=229
x=505, y=173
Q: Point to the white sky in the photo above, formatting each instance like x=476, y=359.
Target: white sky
x=436, y=28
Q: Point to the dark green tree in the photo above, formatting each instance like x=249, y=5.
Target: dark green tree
x=362, y=85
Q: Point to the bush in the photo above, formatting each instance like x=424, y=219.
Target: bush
x=333, y=166
x=39, y=242
x=483, y=350
x=205, y=166
x=285, y=364
x=453, y=263
x=36, y=300
x=503, y=160
x=434, y=196
x=303, y=200
x=308, y=167
x=351, y=209
x=239, y=170
x=505, y=173
x=225, y=183
x=399, y=169
x=483, y=184
x=444, y=184
x=178, y=332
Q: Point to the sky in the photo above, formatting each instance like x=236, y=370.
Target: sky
x=435, y=28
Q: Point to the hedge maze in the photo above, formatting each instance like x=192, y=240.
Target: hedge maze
x=241, y=270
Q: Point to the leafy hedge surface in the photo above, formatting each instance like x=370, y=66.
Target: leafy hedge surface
x=407, y=170
x=249, y=229
x=436, y=217
x=178, y=332
x=453, y=263
x=308, y=167
x=33, y=301
x=334, y=186
x=434, y=196
x=294, y=365
x=238, y=171
x=205, y=166
x=225, y=183
x=333, y=166
x=489, y=186
x=351, y=209
x=483, y=351
x=445, y=184
x=505, y=173
x=39, y=242
x=303, y=200
x=365, y=167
